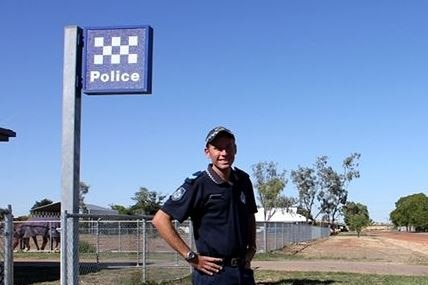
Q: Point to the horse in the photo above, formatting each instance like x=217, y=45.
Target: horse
x=33, y=227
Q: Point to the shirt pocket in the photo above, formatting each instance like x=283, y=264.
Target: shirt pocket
x=216, y=204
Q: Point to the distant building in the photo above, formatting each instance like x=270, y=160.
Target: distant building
x=98, y=210
x=280, y=215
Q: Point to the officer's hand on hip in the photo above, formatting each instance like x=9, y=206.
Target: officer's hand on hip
x=207, y=264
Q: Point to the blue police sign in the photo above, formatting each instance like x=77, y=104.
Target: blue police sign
x=118, y=60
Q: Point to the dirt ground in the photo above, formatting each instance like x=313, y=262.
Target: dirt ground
x=376, y=252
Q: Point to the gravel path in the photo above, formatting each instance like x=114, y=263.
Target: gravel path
x=389, y=253
x=343, y=266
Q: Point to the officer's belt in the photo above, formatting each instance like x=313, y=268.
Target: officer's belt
x=233, y=261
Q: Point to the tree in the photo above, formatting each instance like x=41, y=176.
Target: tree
x=358, y=222
x=122, y=210
x=356, y=216
x=41, y=203
x=269, y=183
x=333, y=191
x=306, y=183
x=147, y=202
x=3, y=213
x=83, y=190
x=411, y=211
x=286, y=202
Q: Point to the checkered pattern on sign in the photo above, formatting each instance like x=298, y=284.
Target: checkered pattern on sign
x=115, y=52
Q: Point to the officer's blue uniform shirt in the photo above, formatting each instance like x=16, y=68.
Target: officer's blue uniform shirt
x=219, y=211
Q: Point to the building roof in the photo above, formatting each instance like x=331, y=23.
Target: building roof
x=49, y=208
x=98, y=210
x=5, y=134
x=55, y=208
x=280, y=215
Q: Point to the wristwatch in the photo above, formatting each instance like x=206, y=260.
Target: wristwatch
x=191, y=256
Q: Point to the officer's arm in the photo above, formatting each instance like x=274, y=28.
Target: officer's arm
x=251, y=251
x=162, y=222
x=252, y=232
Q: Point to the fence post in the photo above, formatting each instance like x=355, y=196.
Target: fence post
x=265, y=236
x=8, y=251
x=303, y=237
x=282, y=232
x=64, y=258
x=190, y=240
x=144, y=251
x=120, y=240
x=50, y=237
x=295, y=232
x=98, y=240
x=276, y=233
x=176, y=253
x=138, y=242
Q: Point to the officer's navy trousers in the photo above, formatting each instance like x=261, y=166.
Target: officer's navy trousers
x=227, y=276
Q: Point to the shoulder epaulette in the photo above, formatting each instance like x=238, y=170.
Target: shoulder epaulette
x=191, y=179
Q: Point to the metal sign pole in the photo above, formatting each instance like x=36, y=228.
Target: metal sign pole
x=70, y=168
x=127, y=71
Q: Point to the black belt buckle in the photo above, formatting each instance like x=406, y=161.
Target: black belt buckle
x=235, y=261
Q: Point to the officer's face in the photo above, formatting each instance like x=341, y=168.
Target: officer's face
x=221, y=151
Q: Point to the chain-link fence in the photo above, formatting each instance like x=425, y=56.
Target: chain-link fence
x=134, y=245
x=127, y=249
x=6, y=257
x=275, y=235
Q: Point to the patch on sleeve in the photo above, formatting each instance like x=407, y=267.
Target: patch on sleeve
x=178, y=194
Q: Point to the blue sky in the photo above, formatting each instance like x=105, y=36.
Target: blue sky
x=293, y=79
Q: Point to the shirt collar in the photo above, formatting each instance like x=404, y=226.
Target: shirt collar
x=217, y=179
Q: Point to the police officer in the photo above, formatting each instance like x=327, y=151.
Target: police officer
x=220, y=202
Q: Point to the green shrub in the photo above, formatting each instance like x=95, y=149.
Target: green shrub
x=86, y=247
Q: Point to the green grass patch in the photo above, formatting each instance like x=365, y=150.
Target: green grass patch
x=279, y=255
x=86, y=247
x=36, y=255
